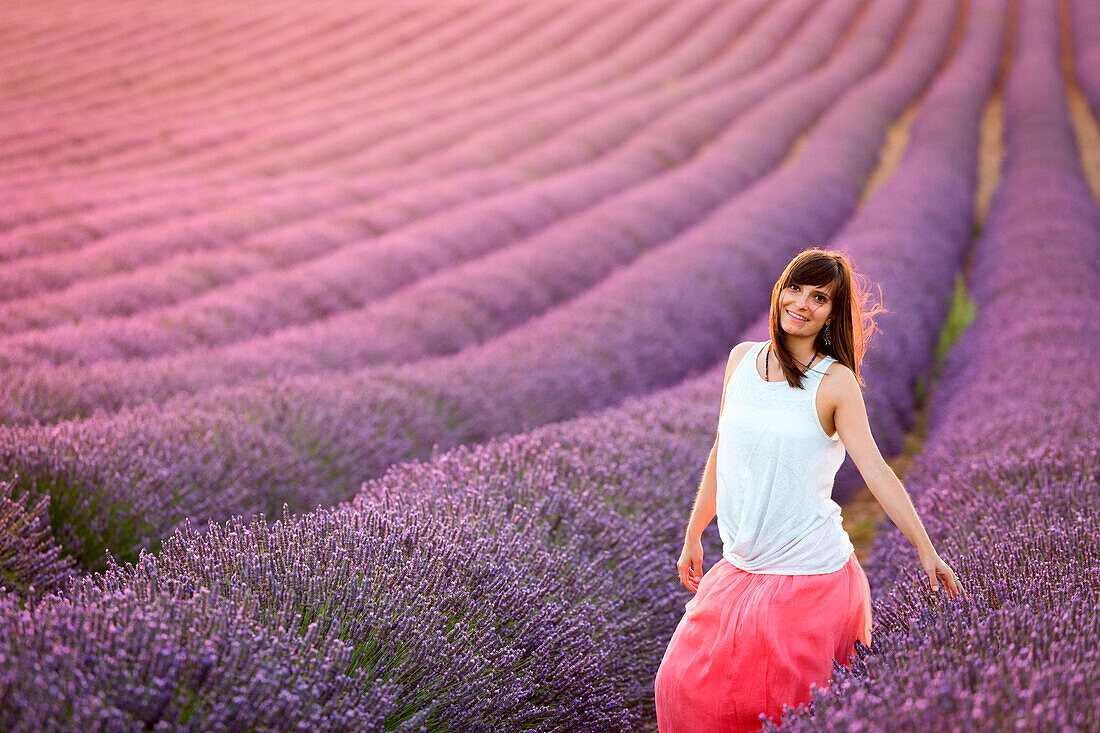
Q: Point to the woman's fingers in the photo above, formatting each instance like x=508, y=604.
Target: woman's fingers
x=951, y=581
x=689, y=568
x=939, y=572
x=944, y=574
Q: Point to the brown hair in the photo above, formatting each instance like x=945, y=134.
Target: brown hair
x=851, y=320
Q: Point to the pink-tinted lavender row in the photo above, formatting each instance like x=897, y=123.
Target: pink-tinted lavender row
x=80, y=203
x=359, y=143
x=344, y=224
x=485, y=43
x=706, y=43
x=393, y=260
x=126, y=250
x=311, y=439
x=471, y=303
x=1009, y=480
x=82, y=199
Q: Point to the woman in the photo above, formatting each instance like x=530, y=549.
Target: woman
x=788, y=595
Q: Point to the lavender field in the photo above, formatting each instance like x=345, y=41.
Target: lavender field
x=359, y=361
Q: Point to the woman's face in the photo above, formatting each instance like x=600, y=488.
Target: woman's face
x=810, y=302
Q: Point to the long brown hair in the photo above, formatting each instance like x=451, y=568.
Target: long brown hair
x=851, y=320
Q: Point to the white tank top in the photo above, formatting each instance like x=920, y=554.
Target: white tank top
x=775, y=469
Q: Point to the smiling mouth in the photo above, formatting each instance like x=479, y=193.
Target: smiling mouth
x=798, y=318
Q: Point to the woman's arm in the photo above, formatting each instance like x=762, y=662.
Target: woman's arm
x=850, y=417
x=690, y=564
x=689, y=567
x=706, y=500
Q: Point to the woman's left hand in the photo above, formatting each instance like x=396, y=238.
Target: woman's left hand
x=940, y=572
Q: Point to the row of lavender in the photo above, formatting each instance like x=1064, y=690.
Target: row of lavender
x=1009, y=480
x=206, y=232
x=123, y=480
x=566, y=206
x=349, y=208
x=187, y=51
x=652, y=41
x=463, y=304
x=213, y=110
x=527, y=583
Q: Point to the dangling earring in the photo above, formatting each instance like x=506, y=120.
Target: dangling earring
x=826, y=337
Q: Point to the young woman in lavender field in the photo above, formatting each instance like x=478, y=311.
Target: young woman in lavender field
x=788, y=595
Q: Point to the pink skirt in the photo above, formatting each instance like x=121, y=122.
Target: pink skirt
x=749, y=643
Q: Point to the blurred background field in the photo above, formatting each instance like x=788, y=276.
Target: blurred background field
x=359, y=360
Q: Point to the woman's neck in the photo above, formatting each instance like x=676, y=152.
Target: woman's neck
x=801, y=348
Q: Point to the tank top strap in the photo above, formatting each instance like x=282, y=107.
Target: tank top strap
x=749, y=362
x=817, y=371
x=817, y=374
x=823, y=366
x=757, y=351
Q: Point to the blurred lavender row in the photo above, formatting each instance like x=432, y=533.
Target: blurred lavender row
x=470, y=303
x=219, y=122
x=360, y=269
x=1009, y=479
x=311, y=440
x=912, y=237
x=250, y=224
x=446, y=28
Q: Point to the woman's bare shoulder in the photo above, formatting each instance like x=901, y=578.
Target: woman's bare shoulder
x=736, y=354
x=740, y=350
x=839, y=374
x=839, y=383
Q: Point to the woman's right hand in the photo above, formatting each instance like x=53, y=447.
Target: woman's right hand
x=690, y=564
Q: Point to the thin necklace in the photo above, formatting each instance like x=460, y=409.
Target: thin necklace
x=770, y=353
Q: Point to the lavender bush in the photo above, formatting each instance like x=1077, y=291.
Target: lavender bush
x=31, y=563
x=369, y=620
x=142, y=657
